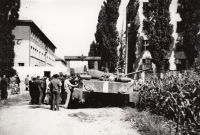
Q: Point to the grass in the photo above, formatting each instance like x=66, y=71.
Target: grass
x=83, y=117
x=14, y=101
x=148, y=124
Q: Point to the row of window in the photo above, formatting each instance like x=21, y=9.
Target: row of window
x=40, y=55
x=40, y=43
x=36, y=53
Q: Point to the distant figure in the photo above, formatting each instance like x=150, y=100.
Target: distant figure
x=3, y=88
x=17, y=80
x=27, y=82
x=55, y=85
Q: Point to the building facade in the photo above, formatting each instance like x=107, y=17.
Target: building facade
x=34, y=52
x=32, y=47
x=139, y=57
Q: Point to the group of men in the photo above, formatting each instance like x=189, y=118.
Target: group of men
x=56, y=88
x=37, y=89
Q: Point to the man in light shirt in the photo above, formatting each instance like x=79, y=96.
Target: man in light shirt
x=67, y=86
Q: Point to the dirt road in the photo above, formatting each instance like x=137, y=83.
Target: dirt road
x=24, y=119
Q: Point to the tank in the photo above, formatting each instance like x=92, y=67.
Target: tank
x=105, y=92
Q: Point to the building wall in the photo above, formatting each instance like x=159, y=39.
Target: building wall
x=38, y=50
x=32, y=46
x=22, y=49
x=38, y=71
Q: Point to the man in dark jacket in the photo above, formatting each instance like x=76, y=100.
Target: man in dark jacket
x=31, y=91
x=43, y=87
x=17, y=80
x=3, y=88
x=39, y=93
x=34, y=90
x=55, y=85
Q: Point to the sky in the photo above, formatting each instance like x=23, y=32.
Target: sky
x=69, y=24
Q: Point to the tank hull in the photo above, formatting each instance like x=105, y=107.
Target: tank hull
x=105, y=93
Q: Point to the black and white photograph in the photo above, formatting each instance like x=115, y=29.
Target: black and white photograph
x=99, y=67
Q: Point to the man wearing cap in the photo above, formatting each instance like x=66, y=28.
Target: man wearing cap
x=55, y=85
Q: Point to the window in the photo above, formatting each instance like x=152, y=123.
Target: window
x=178, y=61
x=21, y=64
x=146, y=61
x=146, y=67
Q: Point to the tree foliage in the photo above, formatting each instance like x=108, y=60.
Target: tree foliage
x=107, y=34
x=122, y=52
x=132, y=32
x=8, y=17
x=190, y=14
x=91, y=53
x=158, y=30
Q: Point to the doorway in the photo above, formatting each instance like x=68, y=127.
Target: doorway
x=47, y=74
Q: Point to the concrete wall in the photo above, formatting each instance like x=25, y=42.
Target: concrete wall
x=35, y=71
x=22, y=49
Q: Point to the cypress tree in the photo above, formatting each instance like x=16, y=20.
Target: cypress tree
x=107, y=35
x=122, y=53
x=132, y=32
x=8, y=17
x=158, y=29
x=189, y=11
x=91, y=53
